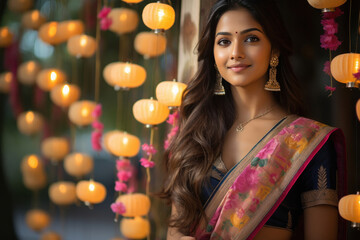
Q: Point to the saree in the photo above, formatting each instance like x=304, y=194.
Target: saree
x=252, y=190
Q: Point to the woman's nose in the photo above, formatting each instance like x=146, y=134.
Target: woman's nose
x=237, y=51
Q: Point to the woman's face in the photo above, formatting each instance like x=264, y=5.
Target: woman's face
x=241, y=49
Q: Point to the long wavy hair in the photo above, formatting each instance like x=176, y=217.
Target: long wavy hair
x=205, y=118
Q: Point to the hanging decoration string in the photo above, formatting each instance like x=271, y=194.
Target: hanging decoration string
x=97, y=56
x=350, y=25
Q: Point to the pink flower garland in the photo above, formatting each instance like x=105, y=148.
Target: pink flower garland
x=149, y=150
x=357, y=75
x=98, y=127
x=173, y=121
x=105, y=22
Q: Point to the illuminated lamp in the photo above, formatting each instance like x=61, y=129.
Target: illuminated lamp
x=124, y=75
x=124, y=20
x=6, y=37
x=132, y=1
x=136, y=204
x=62, y=193
x=70, y=28
x=50, y=236
x=326, y=5
x=78, y=164
x=135, y=228
x=55, y=148
x=81, y=46
x=20, y=5
x=48, y=78
x=349, y=207
x=27, y=72
x=80, y=112
x=122, y=144
x=158, y=16
x=30, y=122
x=150, y=112
x=358, y=109
x=37, y=219
x=170, y=93
x=64, y=95
x=33, y=19
x=90, y=192
x=31, y=164
x=150, y=44
x=49, y=33
x=5, y=82
x=343, y=67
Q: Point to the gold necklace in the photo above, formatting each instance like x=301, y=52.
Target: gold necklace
x=241, y=126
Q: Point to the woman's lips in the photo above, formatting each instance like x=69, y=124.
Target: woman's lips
x=238, y=68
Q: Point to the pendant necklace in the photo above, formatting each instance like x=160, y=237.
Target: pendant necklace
x=241, y=126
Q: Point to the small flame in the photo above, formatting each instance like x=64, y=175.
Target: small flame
x=33, y=162
x=53, y=76
x=52, y=29
x=83, y=41
x=65, y=90
x=127, y=69
x=84, y=112
x=78, y=159
x=91, y=187
x=31, y=66
x=35, y=15
x=29, y=117
x=151, y=107
x=125, y=140
x=175, y=89
x=4, y=32
x=8, y=77
x=161, y=14
x=62, y=188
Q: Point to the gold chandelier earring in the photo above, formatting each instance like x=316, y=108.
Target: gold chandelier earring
x=219, y=88
x=272, y=84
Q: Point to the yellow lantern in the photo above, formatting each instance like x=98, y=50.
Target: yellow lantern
x=136, y=204
x=55, y=148
x=48, y=78
x=6, y=37
x=158, y=16
x=124, y=75
x=62, y=193
x=34, y=176
x=33, y=19
x=50, y=236
x=34, y=182
x=5, y=82
x=78, y=164
x=132, y=1
x=81, y=46
x=170, y=93
x=358, y=109
x=28, y=71
x=135, y=228
x=80, y=112
x=343, y=67
x=20, y=5
x=150, y=111
x=64, y=95
x=349, y=207
x=49, y=33
x=150, y=44
x=326, y=5
x=30, y=122
x=90, y=191
x=124, y=20
x=122, y=144
x=37, y=219
x=68, y=29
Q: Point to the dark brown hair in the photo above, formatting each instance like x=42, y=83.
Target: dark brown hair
x=205, y=118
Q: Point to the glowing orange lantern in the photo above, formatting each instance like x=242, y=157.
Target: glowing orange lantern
x=6, y=37
x=150, y=111
x=158, y=16
x=28, y=71
x=124, y=20
x=349, y=207
x=81, y=46
x=34, y=182
x=50, y=236
x=124, y=75
x=80, y=112
x=55, y=148
x=90, y=191
x=122, y=144
x=5, y=81
x=326, y=5
x=136, y=204
x=343, y=67
x=170, y=93
x=358, y=109
x=34, y=176
x=68, y=29
x=136, y=228
x=78, y=164
x=150, y=44
x=20, y=5
x=48, y=78
x=37, y=219
x=62, y=193
x=49, y=33
x=30, y=122
x=33, y=19
x=132, y=1
x=64, y=95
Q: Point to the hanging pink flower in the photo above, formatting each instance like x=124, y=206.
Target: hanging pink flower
x=104, y=12
x=122, y=164
x=124, y=175
x=97, y=125
x=149, y=149
x=118, y=208
x=166, y=144
x=146, y=163
x=326, y=68
x=105, y=23
x=334, y=14
x=96, y=140
x=357, y=75
x=120, y=186
x=97, y=112
x=330, y=42
x=173, y=117
x=329, y=88
x=330, y=26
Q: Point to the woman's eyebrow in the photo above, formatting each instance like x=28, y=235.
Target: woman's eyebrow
x=242, y=32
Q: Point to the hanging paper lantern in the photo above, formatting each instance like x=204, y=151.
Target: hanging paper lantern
x=170, y=93
x=68, y=29
x=37, y=219
x=6, y=37
x=122, y=144
x=28, y=71
x=132, y=1
x=78, y=164
x=30, y=122
x=343, y=67
x=49, y=33
x=62, y=193
x=81, y=46
x=150, y=111
x=34, y=176
x=358, y=109
x=64, y=95
x=124, y=75
x=124, y=20
x=150, y=44
x=90, y=191
x=49, y=78
x=35, y=182
x=5, y=82
x=135, y=228
x=326, y=5
x=33, y=19
x=55, y=148
x=158, y=16
x=20, y=5
x=80, y=112
x=349, y=207
x=50, y=236
x=136, y=204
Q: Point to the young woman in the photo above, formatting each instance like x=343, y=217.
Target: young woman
x=244, y=164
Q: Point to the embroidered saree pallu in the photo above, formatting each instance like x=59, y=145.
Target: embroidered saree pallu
x=252, y=190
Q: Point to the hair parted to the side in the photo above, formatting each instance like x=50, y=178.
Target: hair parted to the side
x=205, y=118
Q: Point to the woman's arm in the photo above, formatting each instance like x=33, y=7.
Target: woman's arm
x=173, y=233
x=321, y=222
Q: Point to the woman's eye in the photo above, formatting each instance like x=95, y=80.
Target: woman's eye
x=252, y=39
x=223, y=42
